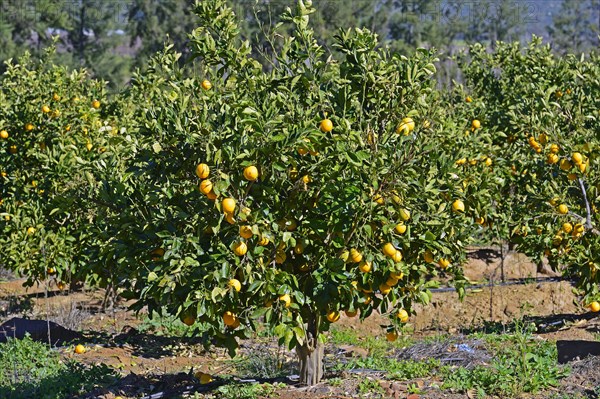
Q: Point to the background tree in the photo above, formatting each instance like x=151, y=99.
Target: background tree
x=576, y=26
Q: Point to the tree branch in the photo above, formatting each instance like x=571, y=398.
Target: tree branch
x=588, y=216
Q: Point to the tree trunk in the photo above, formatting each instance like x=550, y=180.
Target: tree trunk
x=311, y=363
x=310, y=354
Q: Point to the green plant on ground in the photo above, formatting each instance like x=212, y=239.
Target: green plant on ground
x=396, y=369
x=368, y=386
x=377, y=346
x=521, y=364
x=245, y=391
x=30, y=369
x=263, y=362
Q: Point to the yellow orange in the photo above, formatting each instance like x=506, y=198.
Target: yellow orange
x=326, y=125
x=202, y=170
x=228, y=205
x=251, y=173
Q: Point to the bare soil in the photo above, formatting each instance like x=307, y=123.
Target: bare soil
x=154, y=364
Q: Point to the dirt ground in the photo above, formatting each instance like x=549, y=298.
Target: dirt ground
x=151, y=363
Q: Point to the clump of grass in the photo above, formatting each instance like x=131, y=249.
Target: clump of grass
x=30, y=369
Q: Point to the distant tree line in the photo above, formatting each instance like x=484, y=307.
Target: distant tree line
x=112, y=38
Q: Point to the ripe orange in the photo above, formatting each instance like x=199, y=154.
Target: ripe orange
x=205, y=187
x=475, y=124
x=567, y=227
x=384, y=289
x=30, y=231
x=240, y=248
x=443, y=263
x=235, y=284
x=402, y=315
x=404, y=214
x=400, y=228
x=188, y=320
x=202, y=170
x=468, y=99
x=286, y=299
x=552, y=158
x=391, y=281
x=391, y=336
x=594, y=306
x=458, y=206
x=203, y=377
x=355, y=256
x=565, y=164
x=397, y=257
x=95, y=104
x=45, y=109
x=365, y=266
x=397, y=275
x=582, y=167
x=79, y=349
x=280, y=257
x=299, y=248
x=263, y=242
x=577, y=158
x=554, y=148
x=326, y=125
x=479, y=220
x=251, y=173
x=3, y=134
x=206, y=85
x=246, y=231
x=563, y=209
x=389, y=249
x=50, y=271
x=157, y=253
x=228, y=205
x=229, y=318
x=211, y=195
x=333, y=316
x=428, y=256
x=29, y=127
x=407, y=126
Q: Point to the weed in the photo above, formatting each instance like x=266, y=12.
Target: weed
x=30, y=369
x=396, y=369
x=263, y=362
x=375, y=346
x=245, y=391
x=335, y=382
x=368, y=386
x=521, y=364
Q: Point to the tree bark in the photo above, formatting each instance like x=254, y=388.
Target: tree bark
x=310, y=354
x=311, y=363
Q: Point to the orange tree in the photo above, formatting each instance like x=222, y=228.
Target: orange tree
x=543, y=115
x=288, y=197
x=57, y=133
